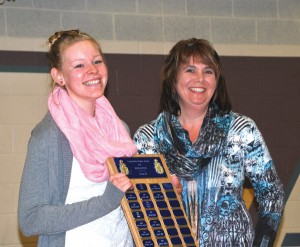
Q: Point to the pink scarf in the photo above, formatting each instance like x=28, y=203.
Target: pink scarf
x=92, y=139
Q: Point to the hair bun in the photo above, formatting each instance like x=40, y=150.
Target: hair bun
x=54, y=37
x=69, y=33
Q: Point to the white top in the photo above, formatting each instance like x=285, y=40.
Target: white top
x=109, y=231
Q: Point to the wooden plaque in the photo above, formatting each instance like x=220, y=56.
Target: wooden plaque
x=153, y=209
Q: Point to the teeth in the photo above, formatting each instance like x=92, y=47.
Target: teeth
x=197, y=89
x=91, y=82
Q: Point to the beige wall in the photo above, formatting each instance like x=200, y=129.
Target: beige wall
x=291, y=220
x=22, y=104
x=236, y=27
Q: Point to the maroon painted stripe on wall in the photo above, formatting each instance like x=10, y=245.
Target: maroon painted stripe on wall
x=23, y=58
x=264, y=88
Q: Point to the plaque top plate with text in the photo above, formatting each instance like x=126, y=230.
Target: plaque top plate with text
x=141, y=167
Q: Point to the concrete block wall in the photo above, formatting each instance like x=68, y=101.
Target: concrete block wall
x=236, y=27
x=256, y=28
x=23, y=103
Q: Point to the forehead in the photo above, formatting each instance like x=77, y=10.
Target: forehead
x=85, y=49
x=192, y=60
x=83, y=45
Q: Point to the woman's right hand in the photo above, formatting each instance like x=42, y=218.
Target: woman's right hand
x=121, y=181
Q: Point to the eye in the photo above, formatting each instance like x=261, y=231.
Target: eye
x=98, y=61
x=209, y=71
x=78, y=66
x=190, y=70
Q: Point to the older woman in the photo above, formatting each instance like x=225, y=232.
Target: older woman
x=212, y=149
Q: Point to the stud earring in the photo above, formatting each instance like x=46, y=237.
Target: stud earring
x=60, y=83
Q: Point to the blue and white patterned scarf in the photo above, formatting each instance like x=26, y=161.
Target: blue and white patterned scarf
x=185, y=159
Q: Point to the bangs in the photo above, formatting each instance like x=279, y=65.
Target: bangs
x=199, y=56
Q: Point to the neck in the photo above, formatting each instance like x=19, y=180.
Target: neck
x=192, y=121
x=91, y=110
x=190, y=116
x=88, y=107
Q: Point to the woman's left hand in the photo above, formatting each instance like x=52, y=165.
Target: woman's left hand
x=176, y=183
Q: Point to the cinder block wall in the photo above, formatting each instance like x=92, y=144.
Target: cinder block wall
x=145, y=30
x=236, y=27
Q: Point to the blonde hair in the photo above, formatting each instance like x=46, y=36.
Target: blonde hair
x=61, y=40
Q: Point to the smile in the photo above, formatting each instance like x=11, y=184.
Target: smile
x=90, y=83
x=197, y=89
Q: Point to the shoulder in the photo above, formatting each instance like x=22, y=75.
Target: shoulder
x=144, y=138
x=47, y=132
x=126, y=127
x=145, y=130
x=46, y=125
x=241, y=122
x=244, y=130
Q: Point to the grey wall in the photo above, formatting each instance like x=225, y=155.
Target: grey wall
x=220, y=21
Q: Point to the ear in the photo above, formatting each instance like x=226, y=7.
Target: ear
x=57, y=77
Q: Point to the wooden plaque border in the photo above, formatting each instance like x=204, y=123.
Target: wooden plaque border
x=112, y=167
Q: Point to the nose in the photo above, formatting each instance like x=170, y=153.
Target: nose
x=92, y=69
x=199, y=76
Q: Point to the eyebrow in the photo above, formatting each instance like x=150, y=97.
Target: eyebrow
x=183, y=66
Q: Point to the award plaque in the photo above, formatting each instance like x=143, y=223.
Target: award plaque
x=153, y=209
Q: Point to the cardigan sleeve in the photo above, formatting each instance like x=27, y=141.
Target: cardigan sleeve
x=267, y=186
x=42, y=208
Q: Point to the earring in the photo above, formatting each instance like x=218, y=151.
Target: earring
x=60, y=83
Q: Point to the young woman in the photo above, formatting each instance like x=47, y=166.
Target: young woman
x=66, y=195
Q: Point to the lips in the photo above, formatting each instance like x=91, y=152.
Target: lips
x=91, y=83
x=197, y=89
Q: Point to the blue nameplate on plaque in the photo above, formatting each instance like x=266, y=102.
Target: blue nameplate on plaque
x=146, y=167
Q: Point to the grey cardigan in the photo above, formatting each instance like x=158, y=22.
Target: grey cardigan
x=44, y=186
